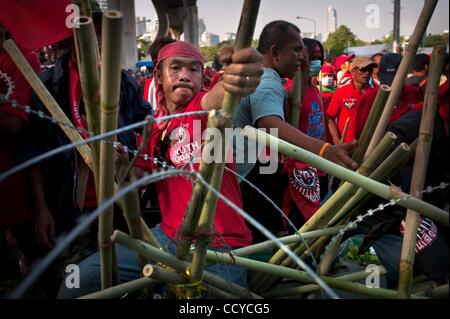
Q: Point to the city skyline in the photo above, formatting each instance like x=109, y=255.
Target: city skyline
x=223, y=17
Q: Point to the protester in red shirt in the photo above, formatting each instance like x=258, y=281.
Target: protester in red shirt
x=409, y=95
x=24, y=212
x=345, y=101
x=306, y=183
x=179, y=79
x=343, y=65
x=328, y=84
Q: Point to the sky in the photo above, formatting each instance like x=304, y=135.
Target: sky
x=222, y=16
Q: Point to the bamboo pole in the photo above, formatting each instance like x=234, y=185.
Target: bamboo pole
x=372, y=186
x=121, y=290
x=301, y=276
x=178, y=265
x=85, y=8
x=372, y=120
x=314, y=288
x=48, y=100
x=400, y=76
x=268, y=244
x=297, y=93
x=162, y=275
x=88, y=60
x=420, y=169
x=109, y=101
x=229, y=105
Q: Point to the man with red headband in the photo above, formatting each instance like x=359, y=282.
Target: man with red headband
x=178, y=76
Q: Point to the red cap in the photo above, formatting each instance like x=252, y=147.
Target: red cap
x=342, y=59
x=328, y=69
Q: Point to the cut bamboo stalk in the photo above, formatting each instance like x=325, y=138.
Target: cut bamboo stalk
x=370, y=125
x=268, y=244
x=372, y=186
x=88, y=60
x=297, y=93
x=193, y=211
x=109, y=102
x=85, y=8
x=121, y=290
x=178, y=265
x=400, y=75
x=420, y=170
x=162, y=275
x=295, y=291
x=344, y=131
x=301, y=276
x=229, y=105
x=48, y=100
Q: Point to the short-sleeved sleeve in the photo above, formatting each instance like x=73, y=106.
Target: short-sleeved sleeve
x=334, y=108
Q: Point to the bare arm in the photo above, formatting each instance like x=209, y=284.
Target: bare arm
x=338, y=154
x=44, y=222
x=240, y=77
x=334, y=131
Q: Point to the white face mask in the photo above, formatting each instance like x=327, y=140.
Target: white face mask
x=327, y=81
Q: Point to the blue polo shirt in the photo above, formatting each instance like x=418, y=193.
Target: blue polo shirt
x=267, y=100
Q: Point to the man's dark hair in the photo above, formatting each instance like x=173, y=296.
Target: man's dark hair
x=157, y=45
x=275, y=33
x=420, y=61
x=311, y=45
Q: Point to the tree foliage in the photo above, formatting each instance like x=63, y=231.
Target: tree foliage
x=341, y=39
x=434, y=39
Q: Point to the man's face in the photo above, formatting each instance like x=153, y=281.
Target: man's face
x=377, y=60
x=362, y=74
x=181, y=79
x=289, y=58
x=345, y=67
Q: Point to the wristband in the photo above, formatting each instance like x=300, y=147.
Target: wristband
x=323, y=148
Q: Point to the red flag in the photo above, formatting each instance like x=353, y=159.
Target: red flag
x=34, y=24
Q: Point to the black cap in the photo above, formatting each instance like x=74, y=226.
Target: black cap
x=388, y=67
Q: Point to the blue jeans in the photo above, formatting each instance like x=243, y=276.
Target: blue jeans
x=129, y=268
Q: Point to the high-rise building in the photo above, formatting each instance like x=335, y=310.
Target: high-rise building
x=141, y=26
x=209, y=39
x=331, y=21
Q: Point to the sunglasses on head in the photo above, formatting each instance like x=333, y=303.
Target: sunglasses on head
x=365, y=69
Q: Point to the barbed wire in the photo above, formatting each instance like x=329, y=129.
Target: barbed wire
x=91, y=139
x=379, y=208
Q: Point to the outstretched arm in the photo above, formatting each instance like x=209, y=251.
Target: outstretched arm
x=338, y=154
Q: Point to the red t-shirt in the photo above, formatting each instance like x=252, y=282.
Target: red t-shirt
x=409, y=96
x=174, y=193
x=15, y=192
x=344, y=104
x=442, y=103
x=75, y=96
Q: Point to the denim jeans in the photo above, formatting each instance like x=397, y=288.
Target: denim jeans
x=129, y=268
